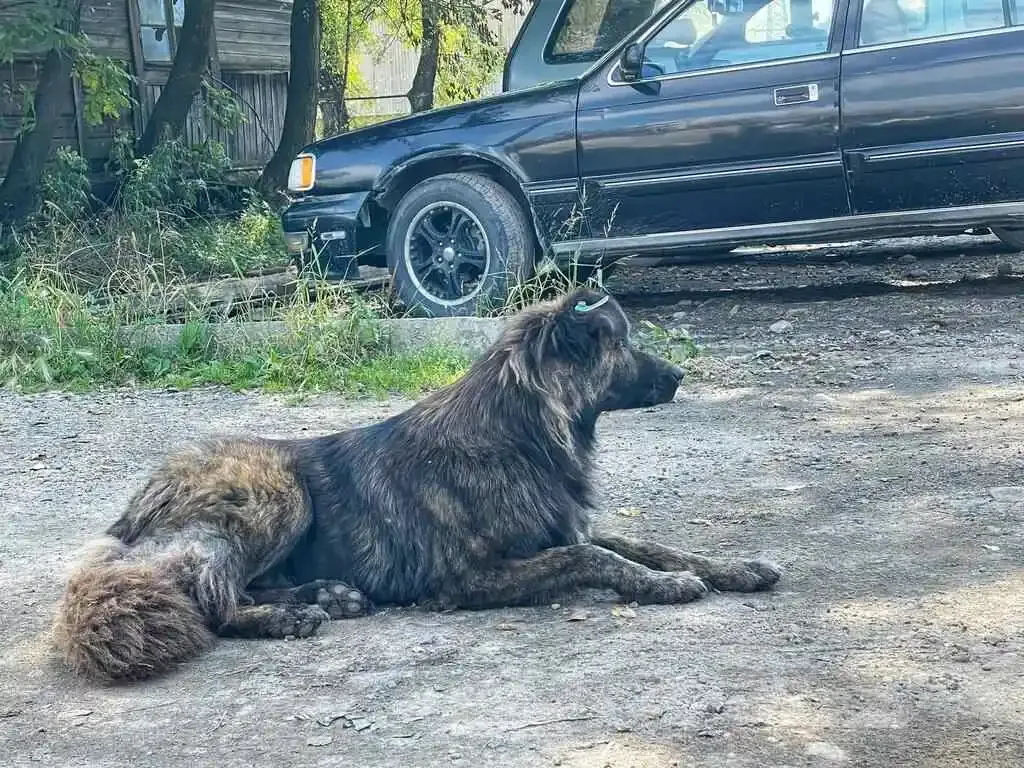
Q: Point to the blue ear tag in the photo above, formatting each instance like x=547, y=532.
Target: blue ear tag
x=582, y=306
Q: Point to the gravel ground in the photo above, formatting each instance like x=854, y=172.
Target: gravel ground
x=858, y=425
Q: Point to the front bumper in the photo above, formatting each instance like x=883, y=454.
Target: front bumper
x=324, y=231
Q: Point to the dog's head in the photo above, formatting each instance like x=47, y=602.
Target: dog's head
x=578, y=350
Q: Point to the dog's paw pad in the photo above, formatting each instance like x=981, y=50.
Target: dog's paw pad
x=342, y=601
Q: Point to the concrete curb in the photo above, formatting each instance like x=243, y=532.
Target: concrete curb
x=470, y=335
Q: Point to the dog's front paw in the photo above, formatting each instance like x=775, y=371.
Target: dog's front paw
x=670, y=587
x=297, y=620
x=342, y=601
x=746, y=576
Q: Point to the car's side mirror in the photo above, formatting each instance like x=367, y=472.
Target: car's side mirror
x=631, y=62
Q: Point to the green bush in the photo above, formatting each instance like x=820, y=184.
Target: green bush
x=176, y=178
x=175, y=216
x=65, y=186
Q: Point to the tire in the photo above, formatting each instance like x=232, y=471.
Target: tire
x=481, y=216
x=1014, y=238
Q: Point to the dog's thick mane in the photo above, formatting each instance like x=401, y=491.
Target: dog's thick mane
x=513, y=393
x=498, y=407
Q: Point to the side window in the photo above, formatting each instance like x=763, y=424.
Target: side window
x=720, y=33
x=157, y=19
x=895, y=21
x=587, y=29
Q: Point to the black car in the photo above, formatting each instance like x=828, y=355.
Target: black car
x=703, y=123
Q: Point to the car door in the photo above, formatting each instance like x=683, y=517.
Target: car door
x=933, y=103
x=735, y=123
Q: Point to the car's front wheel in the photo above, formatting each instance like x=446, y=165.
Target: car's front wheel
x=457, y=245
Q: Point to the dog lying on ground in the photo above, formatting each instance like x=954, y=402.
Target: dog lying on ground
x=477, y=496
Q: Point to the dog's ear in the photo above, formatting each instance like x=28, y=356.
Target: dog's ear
x=597, y=312
x=585, y=320
x=571, y=331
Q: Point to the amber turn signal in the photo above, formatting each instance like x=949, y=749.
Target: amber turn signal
x=302, y=173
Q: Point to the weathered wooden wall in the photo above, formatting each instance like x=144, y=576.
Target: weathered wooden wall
x=14, y=77
x=252, y=40
x=106, y=24
x=104, y=21
x=252, y=35
x=262, y=98
x=252, y=54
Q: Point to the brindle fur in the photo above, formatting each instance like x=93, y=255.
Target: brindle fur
x=479, y=495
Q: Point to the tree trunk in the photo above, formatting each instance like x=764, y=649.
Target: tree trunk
x=334, y=85
x=19, y=192
x=191, y=60
x=421, y=95
x=300, y=112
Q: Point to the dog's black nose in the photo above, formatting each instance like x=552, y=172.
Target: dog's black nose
x=677, y=373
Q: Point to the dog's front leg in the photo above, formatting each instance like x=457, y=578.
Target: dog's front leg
x=556, y=571
x=727, y=575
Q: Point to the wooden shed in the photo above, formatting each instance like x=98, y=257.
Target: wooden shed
x=250, y=57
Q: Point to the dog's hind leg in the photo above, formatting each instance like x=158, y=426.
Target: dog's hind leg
x=727, y=575
x=558, y=570
x=276, y=621
x=336, y=597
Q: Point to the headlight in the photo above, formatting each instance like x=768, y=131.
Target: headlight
x=302, y=173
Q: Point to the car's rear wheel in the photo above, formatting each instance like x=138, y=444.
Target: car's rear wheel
x=1011, y=237
x=457, y=245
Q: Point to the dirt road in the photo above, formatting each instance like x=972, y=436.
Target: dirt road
x=870, y=443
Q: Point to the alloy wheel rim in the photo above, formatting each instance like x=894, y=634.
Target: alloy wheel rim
x=447, y=253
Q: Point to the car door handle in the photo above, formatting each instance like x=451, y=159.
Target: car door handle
x=795, y=94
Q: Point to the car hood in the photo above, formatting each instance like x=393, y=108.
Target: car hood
x=537, y=102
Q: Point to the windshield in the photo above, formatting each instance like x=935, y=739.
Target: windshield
x=588, y=29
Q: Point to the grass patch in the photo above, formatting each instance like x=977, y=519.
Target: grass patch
x=123, y=248
x=299, y=368
x=53, y=337
x=432, y=368
x=271, y=369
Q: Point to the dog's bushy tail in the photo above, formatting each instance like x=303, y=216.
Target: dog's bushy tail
x=126, y=618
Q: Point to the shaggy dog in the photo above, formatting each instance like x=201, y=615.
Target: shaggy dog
x=477, y=496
